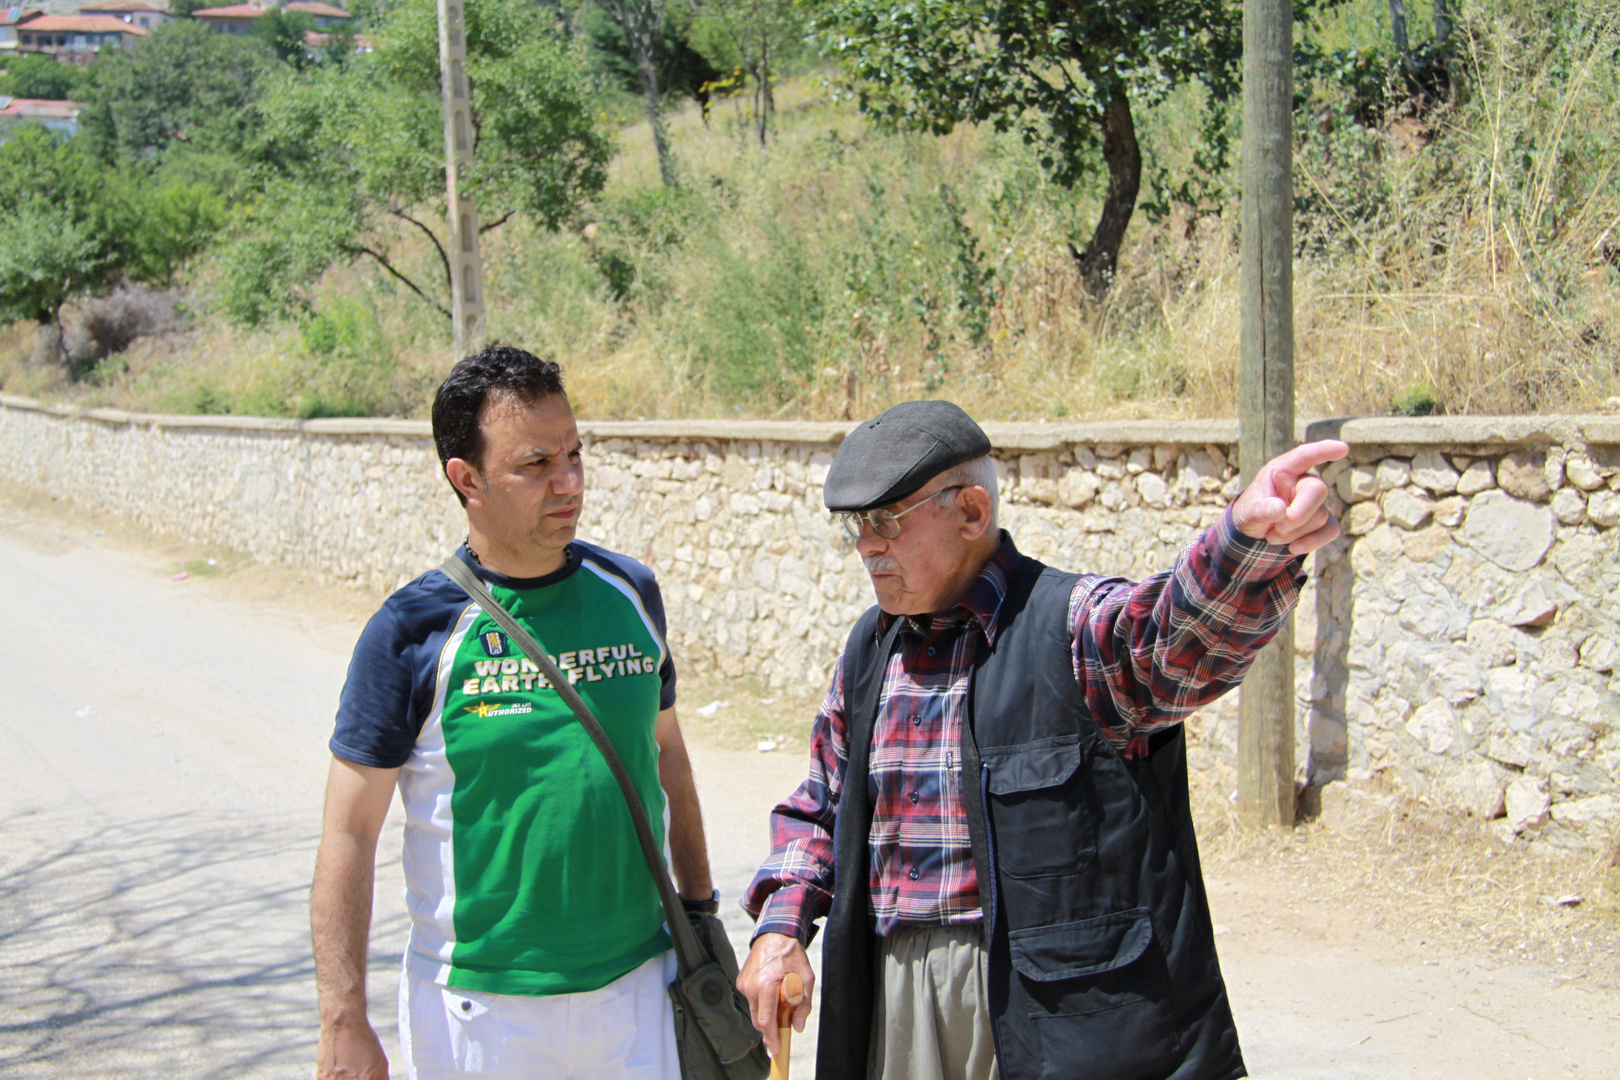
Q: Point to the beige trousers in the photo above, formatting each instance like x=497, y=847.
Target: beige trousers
x=932, y=1018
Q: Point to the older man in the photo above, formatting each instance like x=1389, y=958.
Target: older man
x=996, y=816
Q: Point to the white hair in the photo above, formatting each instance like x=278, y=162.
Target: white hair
x=980, y=472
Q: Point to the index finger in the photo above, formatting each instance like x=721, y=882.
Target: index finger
x=1307, y=456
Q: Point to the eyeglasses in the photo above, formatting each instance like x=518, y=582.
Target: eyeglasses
x=886, y=523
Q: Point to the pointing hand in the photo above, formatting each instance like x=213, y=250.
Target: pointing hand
x=1284, y=504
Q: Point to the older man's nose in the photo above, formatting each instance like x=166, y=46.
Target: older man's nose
x=869, y=543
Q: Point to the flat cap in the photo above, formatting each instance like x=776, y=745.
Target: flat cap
x=888, y=458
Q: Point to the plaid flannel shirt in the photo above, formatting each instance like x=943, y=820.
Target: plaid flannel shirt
x=1145, y=655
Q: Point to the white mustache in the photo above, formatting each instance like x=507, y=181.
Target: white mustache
x=880, y=564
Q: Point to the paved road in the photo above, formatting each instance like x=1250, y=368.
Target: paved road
x=161, y=762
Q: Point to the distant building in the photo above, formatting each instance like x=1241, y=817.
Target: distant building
x=325, y=15
x=10, y=19
x=314, y=39
x=235, y=19
x=135, y=12
x=76, y=39
x=239, y=18
x=59, y=117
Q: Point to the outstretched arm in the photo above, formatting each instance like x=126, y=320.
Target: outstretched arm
x=357, y=798
x=1148, y=653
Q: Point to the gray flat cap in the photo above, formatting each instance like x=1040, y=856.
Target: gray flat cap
x=886, y=459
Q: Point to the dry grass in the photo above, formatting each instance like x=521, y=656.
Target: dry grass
x=1462, y=261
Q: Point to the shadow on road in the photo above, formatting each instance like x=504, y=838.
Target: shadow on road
x=167, y=946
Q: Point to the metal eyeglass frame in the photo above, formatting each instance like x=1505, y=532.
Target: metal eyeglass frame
x=884, y=522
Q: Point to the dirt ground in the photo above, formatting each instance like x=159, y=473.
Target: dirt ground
x=164, y=747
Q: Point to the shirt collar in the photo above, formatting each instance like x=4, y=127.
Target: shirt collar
x=983, y=599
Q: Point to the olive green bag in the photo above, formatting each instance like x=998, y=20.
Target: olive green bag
x=714, y=1031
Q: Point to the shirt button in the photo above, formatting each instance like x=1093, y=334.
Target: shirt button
x=913, y=875
x=930, y=650
x=915, y=796
x=916, y=719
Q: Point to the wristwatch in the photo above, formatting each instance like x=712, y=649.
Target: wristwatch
x=711, y=906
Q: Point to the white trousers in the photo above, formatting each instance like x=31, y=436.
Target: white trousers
x=624, y=1031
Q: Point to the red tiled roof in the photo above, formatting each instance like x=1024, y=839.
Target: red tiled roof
x=316, y=39
x=84, y=24
x=39, y=107
x=234, y=11
x=121, y=5
x=315, y=7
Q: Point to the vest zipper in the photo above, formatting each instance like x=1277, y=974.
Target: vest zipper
x=995, y=892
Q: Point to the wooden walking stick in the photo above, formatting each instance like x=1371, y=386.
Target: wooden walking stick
x=792, y=993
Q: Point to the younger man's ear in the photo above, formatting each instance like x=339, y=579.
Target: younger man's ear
x=463, y=475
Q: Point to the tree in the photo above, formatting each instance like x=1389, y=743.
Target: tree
x=283, y=32
x=185, y=87
x=1067, y=76
x=65, y=234
x=352, y=157
x=41, y=77
x=641, y=22
x=681, y=69
x=760, y=32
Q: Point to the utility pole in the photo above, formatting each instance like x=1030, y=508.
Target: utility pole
x=466, y=266
x=1266, y=378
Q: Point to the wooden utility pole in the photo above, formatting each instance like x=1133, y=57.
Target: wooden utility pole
x=466, y=266
x=1266, y=378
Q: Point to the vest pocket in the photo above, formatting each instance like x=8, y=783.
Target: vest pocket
x=1043, y=827
x=1097, y=993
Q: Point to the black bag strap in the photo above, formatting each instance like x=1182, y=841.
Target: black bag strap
x=689, y=954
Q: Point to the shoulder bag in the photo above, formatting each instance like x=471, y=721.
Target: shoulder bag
x=714, y=1030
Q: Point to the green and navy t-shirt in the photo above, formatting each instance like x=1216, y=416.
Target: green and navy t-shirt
x=522, y=870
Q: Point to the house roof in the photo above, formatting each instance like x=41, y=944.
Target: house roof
x=317, y=39
x=121, y=5
x=234, y=11
x=11, y=16
x=84, y=24
x=41, y=108
x=315, y=7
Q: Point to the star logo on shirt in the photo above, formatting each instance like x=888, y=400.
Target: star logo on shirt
x=483, y=709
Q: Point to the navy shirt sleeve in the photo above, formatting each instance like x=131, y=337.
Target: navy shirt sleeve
x=375, y=719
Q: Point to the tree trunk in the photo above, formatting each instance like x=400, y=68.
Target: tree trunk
x=48, y=350
x=1397, y=25
x=639, y=20
x=655, y=119
x=1100, y=259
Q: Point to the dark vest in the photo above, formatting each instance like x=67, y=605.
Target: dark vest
x=1102, y=954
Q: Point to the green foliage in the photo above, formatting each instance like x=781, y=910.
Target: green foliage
x=1045, y=71
x=283, y=34
x=65, y=234
x=352, y=155
x=683, y=70
x=1418, y=400
x=36, y=76
x=171, y=224
x=185, y=87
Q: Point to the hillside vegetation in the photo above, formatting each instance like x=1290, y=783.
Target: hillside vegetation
x=1458, y=251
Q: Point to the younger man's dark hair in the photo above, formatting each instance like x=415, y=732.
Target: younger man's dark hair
x=499, y=369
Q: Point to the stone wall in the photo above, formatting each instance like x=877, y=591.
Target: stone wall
x=1458, y=645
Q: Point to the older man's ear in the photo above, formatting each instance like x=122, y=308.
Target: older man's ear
x=977, y=513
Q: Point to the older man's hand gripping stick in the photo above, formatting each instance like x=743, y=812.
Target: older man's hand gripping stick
x=791, y=994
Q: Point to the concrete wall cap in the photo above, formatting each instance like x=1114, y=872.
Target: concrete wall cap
x=1389, y=431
